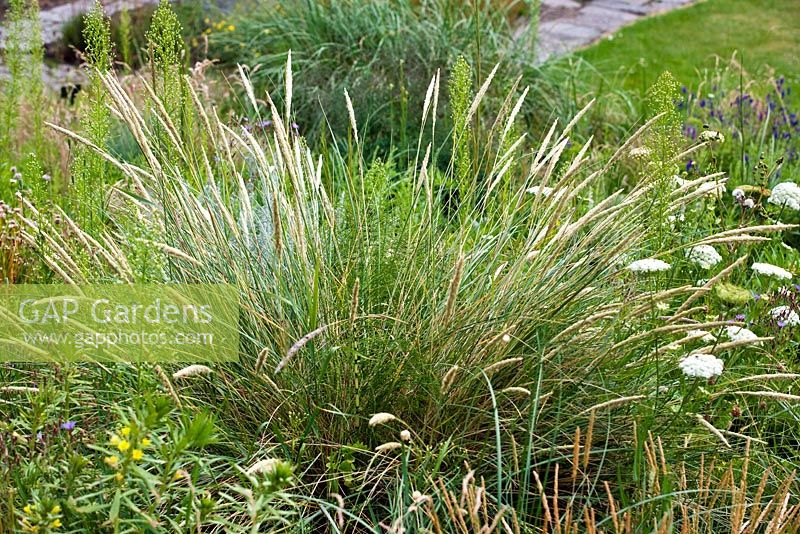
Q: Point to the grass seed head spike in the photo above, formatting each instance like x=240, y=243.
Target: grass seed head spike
x=190, y=371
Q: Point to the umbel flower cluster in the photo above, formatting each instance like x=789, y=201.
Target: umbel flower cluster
x=701, y=366
x=786, y=194
x=739, y=333
x=705, y=256
x=767, y=269
x=648, y=265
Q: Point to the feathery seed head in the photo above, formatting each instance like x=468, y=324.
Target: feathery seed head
x=381, y=418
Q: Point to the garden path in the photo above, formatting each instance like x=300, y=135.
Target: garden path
x=567, y=25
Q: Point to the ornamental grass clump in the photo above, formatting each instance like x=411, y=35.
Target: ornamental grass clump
x=384, y=51
x=495, y=322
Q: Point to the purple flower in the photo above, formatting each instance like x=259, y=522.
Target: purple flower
x=781, y=323
x=740, y=317
x=40, y=437
x=756, y=296
x=68, y=425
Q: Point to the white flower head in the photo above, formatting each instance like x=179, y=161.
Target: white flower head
x=705, y=337
x=701, y=366
x=786, y=194
x=767, y=269
x=649, y=265
x=785, y=314
x=705, y=256
x=738, y=194
x=640, y=151
x=738, y=333
x=712, y=135
x=749, y=203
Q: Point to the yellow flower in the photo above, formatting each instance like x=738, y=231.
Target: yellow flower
x=27, y=509
x=125, y=431
x=146, y=442
x=112, y=460
x=123, y=445
x=231, y=27
x=118, y=477
x=55, y=524
x=55, y=510
x=114, y=439
x=137, y=454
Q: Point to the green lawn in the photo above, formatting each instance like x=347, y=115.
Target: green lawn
x=762, y=33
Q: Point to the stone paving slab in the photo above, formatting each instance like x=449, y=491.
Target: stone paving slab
x=639, y=8
x=576, y=27
x=562, y=4
x=602, y=18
